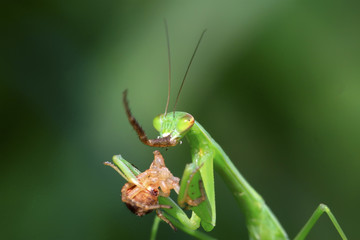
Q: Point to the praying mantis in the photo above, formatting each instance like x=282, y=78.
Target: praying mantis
x=197, y=183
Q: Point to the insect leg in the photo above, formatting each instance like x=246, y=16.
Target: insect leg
x=198, y=182
x=322, y=208
x=130, y=194
x=197, y=201
x=115, y=168
x=124, y=168
x=187, y=199
x=188, y=226
x=176, y=214
x=144, y=206
x=159, y=142
x=180, y=220
x=162, y=217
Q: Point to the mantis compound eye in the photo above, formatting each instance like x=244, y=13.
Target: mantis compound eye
x=184, y=123
x=157, y=122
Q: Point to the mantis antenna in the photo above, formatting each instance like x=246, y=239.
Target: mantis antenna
x=169, y=60
x=187, y=70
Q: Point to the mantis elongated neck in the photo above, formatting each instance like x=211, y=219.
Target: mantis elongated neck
x=261, y=222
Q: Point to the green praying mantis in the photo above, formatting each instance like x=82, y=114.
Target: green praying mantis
x=196, y=190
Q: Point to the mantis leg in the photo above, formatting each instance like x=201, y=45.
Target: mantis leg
x=197, y=189
x=187, y=182
x=176, y=214
x=180, y=225
x=171, y=213
x=322, y=208
x=191, y=232
x=178, y=218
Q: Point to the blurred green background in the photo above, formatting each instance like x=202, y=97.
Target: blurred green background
x=276, y=83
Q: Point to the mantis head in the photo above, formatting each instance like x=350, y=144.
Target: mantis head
x=173, y=125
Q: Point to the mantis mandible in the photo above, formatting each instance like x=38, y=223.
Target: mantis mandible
x=206, y=153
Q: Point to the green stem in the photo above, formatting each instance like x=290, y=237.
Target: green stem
x=155, y=228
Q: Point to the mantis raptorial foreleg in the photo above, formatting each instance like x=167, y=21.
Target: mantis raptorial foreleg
x=141, y=194
x=197, y=189
x=188, y=195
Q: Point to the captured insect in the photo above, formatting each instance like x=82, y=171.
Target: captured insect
x=141, y=192
x=206, y=153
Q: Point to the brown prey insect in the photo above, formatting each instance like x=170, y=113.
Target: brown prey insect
x=141, y=194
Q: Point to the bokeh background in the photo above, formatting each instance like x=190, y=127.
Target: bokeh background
x=275, y=82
